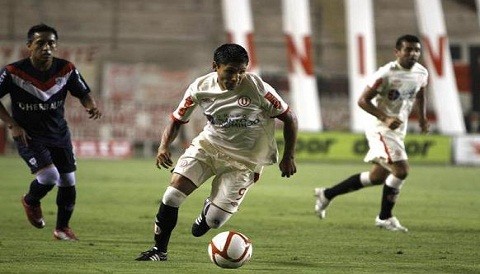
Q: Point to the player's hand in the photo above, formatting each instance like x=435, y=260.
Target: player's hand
x=424, y=126
x=18, y=133
x=288, y=167
x=164, y=158
x=392, y=122
x=94, y=113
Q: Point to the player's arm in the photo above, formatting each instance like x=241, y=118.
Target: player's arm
x=90, y=105
x=169, y=134
x=17, y=131
x=365, y=102
x=422, y=109
x=290, y=128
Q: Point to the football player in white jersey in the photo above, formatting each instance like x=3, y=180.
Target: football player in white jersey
x=235, y=144
x=389, y=97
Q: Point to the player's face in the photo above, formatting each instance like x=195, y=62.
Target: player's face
x=230, y=75
x=42, y=46
x=409, y=54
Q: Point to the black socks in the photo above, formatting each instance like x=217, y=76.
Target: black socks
x=351, y=184
x=389, y=198
x=36, y=192
x=66, y=197
x=200, y=226
x=164, y=224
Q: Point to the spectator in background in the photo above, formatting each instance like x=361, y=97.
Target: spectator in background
x=389, y=97
x=235, y=144
x=38, y=86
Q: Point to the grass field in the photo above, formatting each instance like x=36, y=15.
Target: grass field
x=117, y=201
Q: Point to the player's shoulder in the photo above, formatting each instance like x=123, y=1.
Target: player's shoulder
x=204, y=82
x=390, y=66
x=254, y=78
x=419, y=68
x=385, y=70
x=254, y=81
x=20, y=64
x=63, y=64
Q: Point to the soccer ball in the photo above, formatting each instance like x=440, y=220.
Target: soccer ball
x=230, y=249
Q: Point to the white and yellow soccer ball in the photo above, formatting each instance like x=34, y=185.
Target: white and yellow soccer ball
x=230, y=249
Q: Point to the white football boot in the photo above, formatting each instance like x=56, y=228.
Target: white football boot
x=321, y=202
x=391, y=224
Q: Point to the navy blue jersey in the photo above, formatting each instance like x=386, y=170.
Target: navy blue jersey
x=38, y=97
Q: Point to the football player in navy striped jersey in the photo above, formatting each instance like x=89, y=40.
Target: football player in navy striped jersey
x=38, y=86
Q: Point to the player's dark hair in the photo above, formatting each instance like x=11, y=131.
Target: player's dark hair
x=41, y=28
x=230, y=53
x=406, y=38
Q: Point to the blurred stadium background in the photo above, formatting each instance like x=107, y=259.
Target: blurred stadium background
x=139, y=56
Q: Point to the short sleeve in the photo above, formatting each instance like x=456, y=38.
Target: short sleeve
x=76, y=84
x=186, y=106
x=274, y=104
x=5, y=80
x=376, y=80
x=425, y=79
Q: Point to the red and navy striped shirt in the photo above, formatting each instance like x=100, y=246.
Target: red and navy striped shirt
x=38, y=97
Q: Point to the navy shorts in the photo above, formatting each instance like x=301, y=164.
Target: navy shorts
x=38, y=155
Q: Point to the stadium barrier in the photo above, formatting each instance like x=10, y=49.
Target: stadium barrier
x=466, y=150
x=350, y=147
x=102, y=149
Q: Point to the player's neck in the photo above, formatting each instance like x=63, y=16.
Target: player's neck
x=404, y=67
x=40, y=64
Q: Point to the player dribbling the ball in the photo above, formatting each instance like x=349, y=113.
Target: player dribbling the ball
x=234, y=146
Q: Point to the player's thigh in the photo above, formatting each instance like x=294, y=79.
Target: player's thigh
x=230, y=187
x=35, y=154
x=63, y=158
x=182, y=183
x=386, y=145
x=195, y=165
x=378, y=174
x=400, y=169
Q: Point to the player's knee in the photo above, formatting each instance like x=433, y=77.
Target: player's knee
x=173, y=197
x=401, y=174
x=48, y=176
x=67, y=179
x=216, y=217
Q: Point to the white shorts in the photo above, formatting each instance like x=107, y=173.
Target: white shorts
x=385, y=146
x=232, y=179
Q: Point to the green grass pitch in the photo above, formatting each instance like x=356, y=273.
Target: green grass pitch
x=117, y=202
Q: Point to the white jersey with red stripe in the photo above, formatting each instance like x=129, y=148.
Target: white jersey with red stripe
x=241, y=122
x=396, y=89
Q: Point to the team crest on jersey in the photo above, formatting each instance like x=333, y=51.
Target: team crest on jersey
x=244, y=101
x=33, y=161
